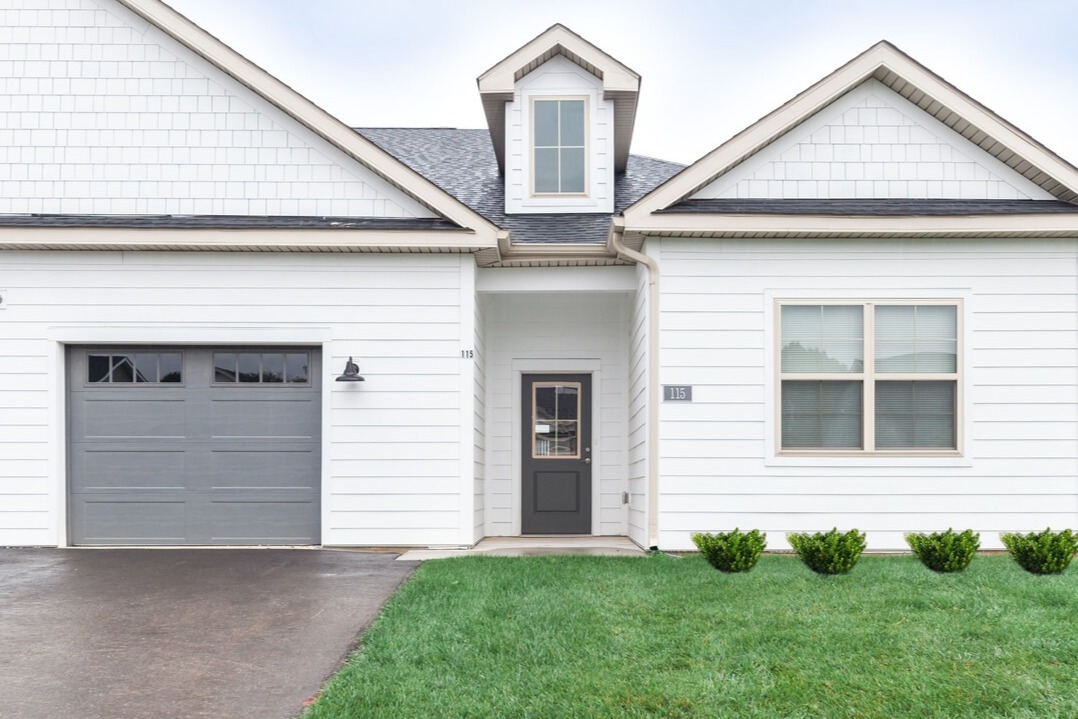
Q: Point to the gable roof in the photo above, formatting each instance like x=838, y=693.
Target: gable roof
x=462, y=163
x=899, y=72
x=620, y=84
x=368, y=154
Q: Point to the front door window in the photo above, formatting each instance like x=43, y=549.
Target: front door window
x=556, y=420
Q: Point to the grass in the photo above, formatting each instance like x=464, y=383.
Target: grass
x=576, y=637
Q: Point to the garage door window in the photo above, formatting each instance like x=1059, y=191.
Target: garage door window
x=135, y=368
x=261, y=368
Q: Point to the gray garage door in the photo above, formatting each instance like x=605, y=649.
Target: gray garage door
x=194, y=445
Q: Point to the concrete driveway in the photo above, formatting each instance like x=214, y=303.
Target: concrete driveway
x=131, y=633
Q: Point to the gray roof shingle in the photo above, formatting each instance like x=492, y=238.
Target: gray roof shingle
x=883, y=207
x=227, y=222
x=462, y=163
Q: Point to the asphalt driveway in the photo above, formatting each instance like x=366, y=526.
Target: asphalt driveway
x=132, y=633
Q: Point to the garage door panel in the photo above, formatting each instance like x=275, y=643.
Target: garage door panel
x=131, y=416
x=193, y=462
x=263, y=418
x=261, y=470
x=118, y=470
x=131, y=520
x=247, y=522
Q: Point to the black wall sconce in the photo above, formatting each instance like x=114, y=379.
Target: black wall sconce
x=351, y=372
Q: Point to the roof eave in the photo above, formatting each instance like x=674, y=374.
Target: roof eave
x=854, y=226
x=545, y=255
x=243, y=240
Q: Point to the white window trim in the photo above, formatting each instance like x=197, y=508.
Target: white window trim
x=840, y=459
x=532, y=192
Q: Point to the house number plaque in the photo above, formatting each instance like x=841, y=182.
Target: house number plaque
x=677, y=393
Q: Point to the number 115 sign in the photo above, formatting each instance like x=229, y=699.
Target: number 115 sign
x=677, y=393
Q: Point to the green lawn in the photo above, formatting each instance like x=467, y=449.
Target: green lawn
x=581, y=637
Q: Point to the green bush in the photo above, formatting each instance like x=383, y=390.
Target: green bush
x=945, y=551
x=731, y=551
x=830, y=552
x=1044, y=552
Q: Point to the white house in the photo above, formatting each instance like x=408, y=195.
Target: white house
x=861, y=311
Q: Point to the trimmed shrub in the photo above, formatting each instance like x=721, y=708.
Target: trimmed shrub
x=1044, y=552
x=734, y=551
x=945, y=551
x=830, y=552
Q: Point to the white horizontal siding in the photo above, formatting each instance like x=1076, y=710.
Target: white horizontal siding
x=392, y=461
x=1020, y=379
x=100, y=113
x=563, y=327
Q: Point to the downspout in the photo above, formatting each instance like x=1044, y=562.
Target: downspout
x=615, y=242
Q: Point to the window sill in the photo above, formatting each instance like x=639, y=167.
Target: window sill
x=839, y=460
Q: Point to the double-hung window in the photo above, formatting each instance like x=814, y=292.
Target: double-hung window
x=558, y=160
x=869, y=377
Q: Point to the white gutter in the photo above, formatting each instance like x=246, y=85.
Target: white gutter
x=616, y=245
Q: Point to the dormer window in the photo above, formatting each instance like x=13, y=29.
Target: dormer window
x=558, y=144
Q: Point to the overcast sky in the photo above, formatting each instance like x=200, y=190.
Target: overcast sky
x=709, y=68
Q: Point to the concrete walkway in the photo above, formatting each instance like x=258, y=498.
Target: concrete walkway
x=535, y=546
x=163, y=633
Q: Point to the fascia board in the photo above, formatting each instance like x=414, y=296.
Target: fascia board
x=175, y=25
x=883, y=55
x=104, y=238
x=834, y=225
x=983, y=119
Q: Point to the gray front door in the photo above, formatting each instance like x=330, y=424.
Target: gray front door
x=556, y=456
x=194, y=445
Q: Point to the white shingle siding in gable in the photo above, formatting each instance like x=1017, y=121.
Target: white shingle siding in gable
x=872, y=143
x=559, y=78
x=101, y=113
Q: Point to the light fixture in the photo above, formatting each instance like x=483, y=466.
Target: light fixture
x=351, y=372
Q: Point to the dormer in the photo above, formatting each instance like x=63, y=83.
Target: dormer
x=560, y=113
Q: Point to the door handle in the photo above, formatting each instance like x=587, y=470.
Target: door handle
x=587, y=460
